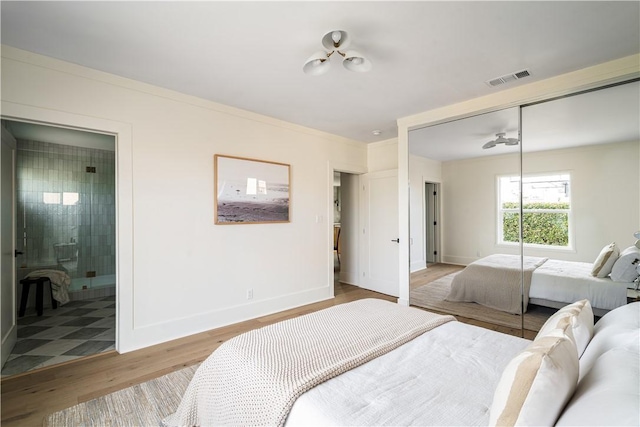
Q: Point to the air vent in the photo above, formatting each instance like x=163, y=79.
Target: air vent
x=508, y=78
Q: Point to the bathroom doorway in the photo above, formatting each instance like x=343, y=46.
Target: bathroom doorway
x=65, y=191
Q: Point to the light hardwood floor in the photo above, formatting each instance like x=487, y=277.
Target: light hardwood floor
x=433, y=272
x=29, y=397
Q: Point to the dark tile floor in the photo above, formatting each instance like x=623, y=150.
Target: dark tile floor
x=74, y=330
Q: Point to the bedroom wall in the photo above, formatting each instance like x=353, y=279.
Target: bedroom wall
x=421, y=170
x=469, y=207
x=178, y=273
x=605, y=189
x=382, y=155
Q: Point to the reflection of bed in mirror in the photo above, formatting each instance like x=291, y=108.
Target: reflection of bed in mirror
x=588, y=142
x=495, y=281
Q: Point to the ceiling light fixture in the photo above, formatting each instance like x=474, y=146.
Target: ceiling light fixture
x=500, y=139
x=377, y=132
x=336, y=41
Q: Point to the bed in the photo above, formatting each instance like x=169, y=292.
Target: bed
x=449, y=374
x=557, y=283
x=495, y=281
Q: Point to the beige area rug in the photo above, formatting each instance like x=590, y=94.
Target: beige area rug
x=144, y=404
x=432, y=296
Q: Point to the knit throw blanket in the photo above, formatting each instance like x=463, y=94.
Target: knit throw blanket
x=495, y=282
x=255, y=378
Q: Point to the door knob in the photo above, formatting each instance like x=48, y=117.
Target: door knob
x=396, y=240
x=17, y=252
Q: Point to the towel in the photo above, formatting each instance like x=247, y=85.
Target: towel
x=60, y=282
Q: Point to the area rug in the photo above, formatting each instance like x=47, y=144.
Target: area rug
x=144, y=404
x=432, y=296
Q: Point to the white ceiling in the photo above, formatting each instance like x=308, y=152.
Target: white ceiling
x=250, y=54
x=597, y=117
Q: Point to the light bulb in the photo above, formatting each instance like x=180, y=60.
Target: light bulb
x=357, y=61
x=336, y=36
x=316, y=62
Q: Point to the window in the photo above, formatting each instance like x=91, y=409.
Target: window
x=546, y=210
x=54, y=198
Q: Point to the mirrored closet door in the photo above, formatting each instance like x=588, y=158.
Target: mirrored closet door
x=581, y=194
x=464, y=194
x=511, y=210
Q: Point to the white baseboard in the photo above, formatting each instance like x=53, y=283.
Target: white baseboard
x=148, y=335
x=457, y=260
x=418, y=265
x=348, y=277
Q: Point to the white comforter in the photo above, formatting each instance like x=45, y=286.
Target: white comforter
x=568, y=281
x=446, y=376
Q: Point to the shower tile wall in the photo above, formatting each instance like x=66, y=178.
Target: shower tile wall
x=68, y=214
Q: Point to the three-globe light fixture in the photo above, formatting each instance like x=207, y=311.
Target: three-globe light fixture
x=336, y=41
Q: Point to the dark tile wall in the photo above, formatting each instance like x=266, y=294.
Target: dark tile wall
x=66, y=213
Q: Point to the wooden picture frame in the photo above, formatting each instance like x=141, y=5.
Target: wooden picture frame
x=251, y=191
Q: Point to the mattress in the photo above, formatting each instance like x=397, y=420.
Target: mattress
x=446, y=376
x=569, y=281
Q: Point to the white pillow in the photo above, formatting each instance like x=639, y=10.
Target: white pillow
x=625, y=267
x=605, y=260
x=608, y=393
x=619, y=328
x=579, y=316
x=537, y=383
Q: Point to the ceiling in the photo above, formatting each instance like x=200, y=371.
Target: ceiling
x=602, y=116
x=250, y=54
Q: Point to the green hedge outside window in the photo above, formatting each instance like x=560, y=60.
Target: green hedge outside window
x=541, y=228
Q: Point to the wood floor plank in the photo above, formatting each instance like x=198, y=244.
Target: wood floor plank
x=29, y=397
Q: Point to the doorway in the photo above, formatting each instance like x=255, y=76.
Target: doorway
x=432, y=222
x=65, y=232
x=344, y=226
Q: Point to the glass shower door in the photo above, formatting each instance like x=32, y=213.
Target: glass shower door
x=66, y=212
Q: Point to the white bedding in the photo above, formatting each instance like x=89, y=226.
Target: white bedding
x=446, y=376
x=568, y=281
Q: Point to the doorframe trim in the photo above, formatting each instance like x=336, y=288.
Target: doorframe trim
x=333, y=167
x=10, y=338
x=124, y=200
x=438, y=219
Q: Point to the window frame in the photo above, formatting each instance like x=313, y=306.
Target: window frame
x=501, y=211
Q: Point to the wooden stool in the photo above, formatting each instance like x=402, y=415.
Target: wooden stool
x=26, y=284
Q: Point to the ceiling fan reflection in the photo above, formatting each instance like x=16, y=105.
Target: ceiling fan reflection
x=500, y=139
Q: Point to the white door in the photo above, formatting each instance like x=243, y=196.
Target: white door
x=7, y=266
x=380, y=265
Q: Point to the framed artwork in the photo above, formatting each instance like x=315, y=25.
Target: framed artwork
x=250, y=191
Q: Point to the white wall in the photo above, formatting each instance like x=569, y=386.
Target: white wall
x=421, y=170
x=469, y=207
x=179, y=273
x=605, y=185
x=382, y=155
x=605, y=194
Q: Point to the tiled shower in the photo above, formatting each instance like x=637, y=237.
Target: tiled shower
x=66, y=214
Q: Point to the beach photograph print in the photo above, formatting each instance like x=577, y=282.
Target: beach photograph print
x=250, y=191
